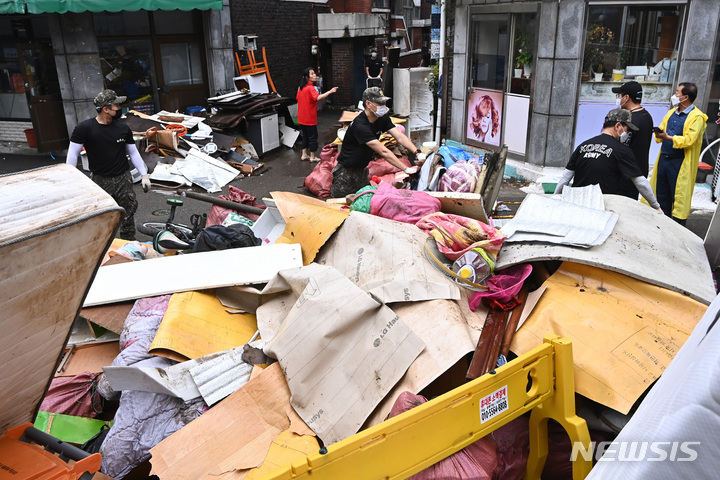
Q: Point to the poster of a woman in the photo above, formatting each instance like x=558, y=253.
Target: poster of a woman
x=484, y=116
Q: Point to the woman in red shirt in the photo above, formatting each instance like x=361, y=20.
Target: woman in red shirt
x=307, y=98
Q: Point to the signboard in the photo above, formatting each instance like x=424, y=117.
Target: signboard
x=484, y=116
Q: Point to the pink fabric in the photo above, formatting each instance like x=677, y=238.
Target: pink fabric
x=320, y=179
x=476, y=461
x=73, y=396
x=456, y=234
x=217, y=213
x=503, y=286
x=406, y=206
x=380, y=167
x=462, y=176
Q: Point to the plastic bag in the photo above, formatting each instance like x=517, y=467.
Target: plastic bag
x=320, y=179
x=502, y=287
x=462, y=176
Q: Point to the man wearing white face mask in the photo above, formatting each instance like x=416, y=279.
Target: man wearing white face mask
x=629, y=96
x=361, y=142
x=681, y=134
x=607, y=161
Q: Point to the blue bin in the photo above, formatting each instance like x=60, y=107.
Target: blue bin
x=193, y=110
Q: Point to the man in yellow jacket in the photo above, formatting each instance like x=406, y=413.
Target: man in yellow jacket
x=681, y=135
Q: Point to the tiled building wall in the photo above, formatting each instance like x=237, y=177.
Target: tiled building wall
x=13, y=131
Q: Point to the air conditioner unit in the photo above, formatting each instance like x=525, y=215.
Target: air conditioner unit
x=247, y=42
x=400, y=32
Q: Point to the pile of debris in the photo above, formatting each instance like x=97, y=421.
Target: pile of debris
x=232, y=362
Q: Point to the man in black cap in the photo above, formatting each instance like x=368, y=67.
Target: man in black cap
x=361, y=142
x=108, y=143
x=607, y=161
x=629, y=96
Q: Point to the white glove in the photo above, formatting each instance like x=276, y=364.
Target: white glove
x=411, y=170
x=420, y=157
x=145, y=183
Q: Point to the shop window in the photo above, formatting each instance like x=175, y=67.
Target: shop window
x=489, y=47
x=632, y=42
x=523, y=53
x=109, y=24
x=181, y=63
x=127, y=68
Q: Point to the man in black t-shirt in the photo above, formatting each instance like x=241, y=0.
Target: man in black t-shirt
x=629, y=96
x=361, y=142
x=108, y=143
x=374, y=68
x=606, y=161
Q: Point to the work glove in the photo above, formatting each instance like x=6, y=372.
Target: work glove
x=420, y=157
x=145, y=183
x=411, y=170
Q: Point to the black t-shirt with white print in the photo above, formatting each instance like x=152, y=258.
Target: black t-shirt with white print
x=605, y=161
x=105, y=145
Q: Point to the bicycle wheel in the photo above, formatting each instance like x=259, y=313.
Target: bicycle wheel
x=152, y=228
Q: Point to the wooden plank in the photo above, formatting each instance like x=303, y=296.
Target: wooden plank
x=494, y=327
x=197, y=271
x=110, y=316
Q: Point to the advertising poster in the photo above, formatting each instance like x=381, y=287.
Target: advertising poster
x=484, y=116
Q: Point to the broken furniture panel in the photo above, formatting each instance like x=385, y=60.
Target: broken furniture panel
x=56, y=225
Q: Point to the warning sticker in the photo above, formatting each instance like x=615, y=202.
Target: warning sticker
x=494, y=404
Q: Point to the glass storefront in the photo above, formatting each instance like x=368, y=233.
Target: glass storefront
x=153, y=58
x=502, y=47
x=624, y=43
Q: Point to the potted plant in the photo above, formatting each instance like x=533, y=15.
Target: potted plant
x=524, y=57
x=622, y=57
x=598, y=41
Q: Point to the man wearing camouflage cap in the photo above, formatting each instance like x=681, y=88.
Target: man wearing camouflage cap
x=361, y=142
x=607, y=161
x=108, y=143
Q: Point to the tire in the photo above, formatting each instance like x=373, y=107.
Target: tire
x=153, y=228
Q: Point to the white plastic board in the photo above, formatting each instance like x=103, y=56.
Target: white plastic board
x=195, y=271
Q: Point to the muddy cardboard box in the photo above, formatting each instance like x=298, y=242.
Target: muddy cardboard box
x=55, y=225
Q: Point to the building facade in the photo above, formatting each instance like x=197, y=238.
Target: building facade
x=56, y=56
x=577, y=51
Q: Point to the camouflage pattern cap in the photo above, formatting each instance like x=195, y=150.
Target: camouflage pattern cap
x=107, y=98
x=622, y=116
x=375, y=95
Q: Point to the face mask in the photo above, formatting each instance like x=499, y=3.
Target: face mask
x=381, y=110
x=374, y=55
x=618, y=102
x=623, y=137
x=675, y=100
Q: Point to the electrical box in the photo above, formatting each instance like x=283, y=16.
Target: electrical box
x=247, y=42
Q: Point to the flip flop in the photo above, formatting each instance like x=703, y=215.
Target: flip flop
x=304, y=159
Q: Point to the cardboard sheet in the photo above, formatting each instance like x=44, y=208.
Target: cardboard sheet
x=196, y=324
x=340, y=349
x=681, y=410
x=182, y=273
x=624, y=331
x=386, y=258
x=645, y=244
x=234, y=435
x=310, y=222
